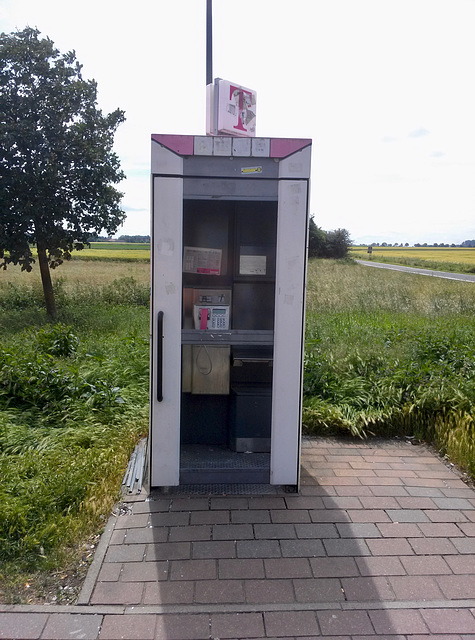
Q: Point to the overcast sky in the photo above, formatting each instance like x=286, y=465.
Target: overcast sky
x=385, y=88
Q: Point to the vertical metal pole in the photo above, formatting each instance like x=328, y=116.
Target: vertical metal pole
x=209, y=42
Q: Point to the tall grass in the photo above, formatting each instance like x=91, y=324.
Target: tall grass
x=391, y=353
x=73, y=404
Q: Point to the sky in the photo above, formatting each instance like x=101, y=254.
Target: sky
x=385, y=89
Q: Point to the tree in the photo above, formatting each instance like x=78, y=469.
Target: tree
x=317, y=240
x=56, y=161
x=327, y=244
x=338, y=243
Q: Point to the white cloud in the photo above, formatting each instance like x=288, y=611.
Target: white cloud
x=384, y=89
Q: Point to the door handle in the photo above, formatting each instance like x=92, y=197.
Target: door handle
x=160, y=356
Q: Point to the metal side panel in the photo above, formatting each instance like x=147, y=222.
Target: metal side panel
x=167, y=216
x=288, y=331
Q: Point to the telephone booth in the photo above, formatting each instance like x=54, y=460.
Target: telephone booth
x=229, y=251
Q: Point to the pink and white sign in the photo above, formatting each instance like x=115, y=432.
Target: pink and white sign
x=231, y=109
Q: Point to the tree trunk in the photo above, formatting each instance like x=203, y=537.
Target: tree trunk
x=47, y=284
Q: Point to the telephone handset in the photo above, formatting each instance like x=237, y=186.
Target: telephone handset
x=211, y=317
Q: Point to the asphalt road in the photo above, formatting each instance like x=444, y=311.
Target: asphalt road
x=465, y=277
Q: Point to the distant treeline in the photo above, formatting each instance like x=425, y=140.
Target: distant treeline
x=135, y=239
x=465, y=243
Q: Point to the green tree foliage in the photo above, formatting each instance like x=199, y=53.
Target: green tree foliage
x=57, y=165
x=327, y=244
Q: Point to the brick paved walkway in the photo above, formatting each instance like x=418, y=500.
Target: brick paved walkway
x=380, y=543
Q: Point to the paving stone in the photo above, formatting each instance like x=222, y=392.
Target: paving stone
x=258, y=549
x=193, y=570
x=463, y=545
x=414, y=502
x=117, y=536
x=380, y=566
x=241, y=568
x=346, y=547
x=214, y=549
x=449, y=620
x=233, y=532
x=125, y=553
x=274, y=531
x=461, y=564
x=426, y=492
x=237, y=625
x=400, y=530
x=328, y=515
x=182, y=627
x=130, y=522
x=353, y=492
x=190, y=533
x=267, y=503
x=407, y=515
x=159, y=593
x=151, y=506
x=415, y=588
x=168, y=551
x=389, y=546
x=68, y=625
x=383, y=502
x=209, y=517
x=457, y=587
x=342, y=502
x=178, y=519
x=269, y=591
x=370, y=515
x=117, y=593
x=131, y=627
x=189, y=504
x=425, y=565
x=318, y=590
x=109, y=572
x=316, y=530
x=453, y=503
x=446, y=515
x=287, y=568
x=367, y=589
x=305, y=548
x=355, y=623
x=304, y=502
x=229, y=503
x=432, y=546
x=285, y=623
x=253, y=516
x=219, y=592
x=358, y=530
x=144, y=571
x=441, y=529
x=146, y=536
x=333, y=567
x=279, y=516
x=318, y=491
x=392, y=621
x=389, y=482
x=24, y=626
x=468, y=528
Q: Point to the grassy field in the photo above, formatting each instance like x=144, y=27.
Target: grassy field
x=453, y=259
x=387, y=353
x=391, y=353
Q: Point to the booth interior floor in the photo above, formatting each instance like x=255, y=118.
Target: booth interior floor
x=204, y=464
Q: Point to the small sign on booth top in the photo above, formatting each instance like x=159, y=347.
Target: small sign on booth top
x=230, y=109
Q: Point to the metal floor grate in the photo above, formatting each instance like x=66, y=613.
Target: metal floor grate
x=217, y=457
x=227, y=489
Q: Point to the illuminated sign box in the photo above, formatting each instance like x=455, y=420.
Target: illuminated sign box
x=231, y=109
